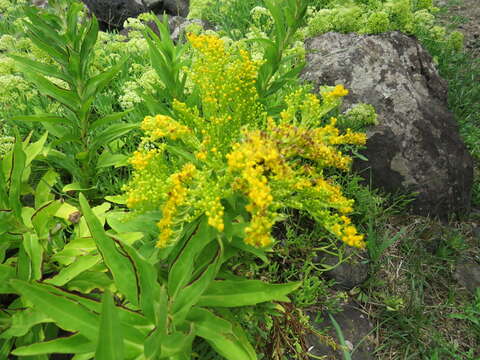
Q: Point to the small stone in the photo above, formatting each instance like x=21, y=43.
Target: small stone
x=355, y=327
x=350, y=273
x=467, y=274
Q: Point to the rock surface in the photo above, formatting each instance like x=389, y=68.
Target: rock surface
x=350, y=273
x=356, y=329
x=467, y=274
x=113, y=13
x=416, y=146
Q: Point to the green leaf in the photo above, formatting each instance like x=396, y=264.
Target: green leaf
x=81, y=264
x=190, y=294
x=233, y=293
x=110, y=118
x=341, y=338
x=97, y=83
x=35, y=253
x=87, y=281
x=75, y=313
x=43, y=191
x=145, y=223
x=177, y=343
x=117, y=261
x=108, y=159
x=154, y=338
x=18, y=165
x=181, y=271
x=6, y=273
x=69, y=315
x=110, y=344
x=74, y=344
x=27, y=64
x=88, y=43
x=42, y=217
x=23, y=321
x=219, y=334
x=111, y=133
x=149, y=287
x=75, y=186
x=64, y=96
x=51, y=118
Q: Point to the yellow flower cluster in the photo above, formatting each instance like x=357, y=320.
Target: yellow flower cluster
x=163, y=126
x=176, y=197
x=226, y=79
x=141, y=159
x=215, y=214
x=252, y=160
x=267, y=164
x=337, y=92
x=348, y=233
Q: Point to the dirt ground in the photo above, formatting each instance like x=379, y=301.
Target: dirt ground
x=466, y=15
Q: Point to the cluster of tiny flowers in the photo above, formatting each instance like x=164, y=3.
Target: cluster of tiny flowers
x=226, y=79
x=176, y=197
x=267, y=168
x=374, y=17
x=337, y=92
x=348, y=233
x=6, y=144
x=160, y=126
x=252, y=160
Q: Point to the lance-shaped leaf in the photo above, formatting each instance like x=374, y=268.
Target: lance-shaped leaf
x=182, y=268
x=111, y=133
x=43, y=190
x=16, y=171
x=42, y=216
x=22, y=321
x=110, y=343
x=34, y=149
x=189, y=295
x=34, y=251
x=75, y=313
x=219, y=334
x=64, y=96
x=81, y=264
x=68, y=314
x=27, y=64
x=107, y=119
x=98, y=82
x=74, y=344
x=149, y=288
x=88, y=43
x=119, y=263
x=232, y=293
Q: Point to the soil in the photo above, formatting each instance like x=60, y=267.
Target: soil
x=466, y=14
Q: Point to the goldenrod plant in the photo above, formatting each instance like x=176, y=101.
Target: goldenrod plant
x=197, y=161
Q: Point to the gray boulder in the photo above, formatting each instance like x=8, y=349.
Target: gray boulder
x=113, y=13
x=172, y=7
x=416, y=147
